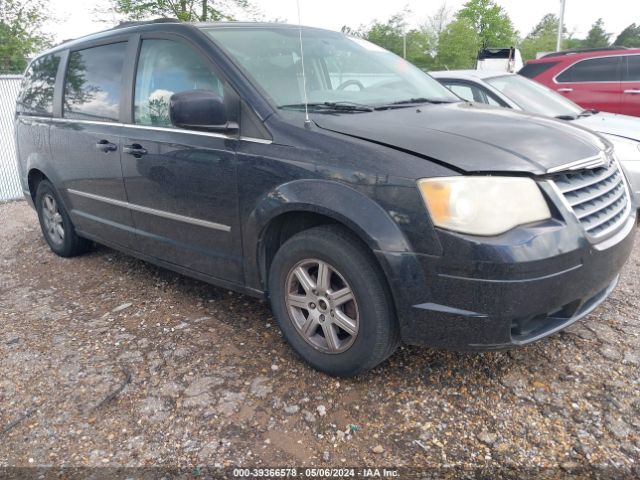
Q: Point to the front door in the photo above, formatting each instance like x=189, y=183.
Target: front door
x=181, y=184
x=85, y=143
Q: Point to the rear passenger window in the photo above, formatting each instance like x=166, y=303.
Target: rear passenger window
x=166, y=67
x=593, y=70
x=36, y=97
x=633, y=69
x=93, y=83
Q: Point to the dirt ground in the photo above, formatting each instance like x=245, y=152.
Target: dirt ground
x=108, y=361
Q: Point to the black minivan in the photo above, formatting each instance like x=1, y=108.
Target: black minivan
x=366, y=201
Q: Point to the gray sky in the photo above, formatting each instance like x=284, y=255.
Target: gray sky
x=76, y=18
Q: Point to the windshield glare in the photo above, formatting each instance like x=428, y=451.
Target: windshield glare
x=533, y=97
x=338, y=68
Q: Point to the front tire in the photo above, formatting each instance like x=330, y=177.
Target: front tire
x=57, y=229
x=332, y=302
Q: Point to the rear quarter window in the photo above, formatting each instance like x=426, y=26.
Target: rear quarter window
x=93, y=83
x=605, y=69
x=532, y=70
x=36, y=97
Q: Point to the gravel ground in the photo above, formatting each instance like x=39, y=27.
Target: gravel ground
x=108, y=361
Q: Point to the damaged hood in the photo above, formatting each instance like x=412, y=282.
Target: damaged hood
x=472, y=138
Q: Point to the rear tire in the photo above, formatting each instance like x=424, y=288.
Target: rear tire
x=57, y=229
x=332, y=302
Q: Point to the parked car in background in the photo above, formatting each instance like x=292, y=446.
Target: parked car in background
x=605, y=79
x=519, y=93
x=499, y=59
x=382, y=209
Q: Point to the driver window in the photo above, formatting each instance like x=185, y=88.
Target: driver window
x=166, y=67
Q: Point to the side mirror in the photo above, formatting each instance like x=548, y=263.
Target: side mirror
x=199, y=110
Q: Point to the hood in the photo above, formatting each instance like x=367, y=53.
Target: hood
x=472, y=138
x=612, y=124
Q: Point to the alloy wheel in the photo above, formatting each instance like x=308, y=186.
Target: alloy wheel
x=322, y=306
x=52, y=218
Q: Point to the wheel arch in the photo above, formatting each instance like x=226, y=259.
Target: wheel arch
x=302, y=204
x=34, y=177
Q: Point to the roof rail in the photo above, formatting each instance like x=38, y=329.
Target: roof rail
x=144, y=22
x=582, y=50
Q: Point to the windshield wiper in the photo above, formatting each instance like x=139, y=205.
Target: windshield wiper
x=566, y=117
x=583, y=113
x=409, y=102
x=588, y=112
x=330, y=106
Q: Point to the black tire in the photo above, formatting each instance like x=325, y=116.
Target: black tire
x=377, y=334
x=69, y=244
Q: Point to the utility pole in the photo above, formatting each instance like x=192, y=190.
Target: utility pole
x=560, y=26
x=404, y=46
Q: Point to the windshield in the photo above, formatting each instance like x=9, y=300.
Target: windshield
x=533, y=97
x=339, y=69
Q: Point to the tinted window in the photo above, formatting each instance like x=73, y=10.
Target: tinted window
x=93, y=82
x=593, y=70
x=633, y=69
x=532, y=70
x=37, y=88
x=166, y=67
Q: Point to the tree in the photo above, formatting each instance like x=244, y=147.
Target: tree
x=391, y=35
x=544, y=36
x=629, y=37
x=388, y=34
x=458, y=45
x=21, y=32
x=184, y=10
x=491, y=23
x=541, y=39
x=435, y=25
x=597, y=36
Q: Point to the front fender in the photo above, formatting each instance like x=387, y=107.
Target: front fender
x=357, y=211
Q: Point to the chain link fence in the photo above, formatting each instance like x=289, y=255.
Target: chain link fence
x=10, y=188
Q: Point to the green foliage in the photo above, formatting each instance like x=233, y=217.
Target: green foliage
x=491, y=23
x=597, y=36
x=541, y=39
x=544, y=36
x=184, y=10
x=20, y=32
x=391, y=35
x=629, y=37
x=458, y=46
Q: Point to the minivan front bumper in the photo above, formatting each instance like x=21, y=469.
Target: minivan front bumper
x=499, y=294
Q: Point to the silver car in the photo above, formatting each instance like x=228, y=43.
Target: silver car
x=511, y=90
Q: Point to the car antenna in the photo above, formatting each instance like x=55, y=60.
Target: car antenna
x=307, y=122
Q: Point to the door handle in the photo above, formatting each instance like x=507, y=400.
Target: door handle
x=565, y=90
x=633, y=91
x=106, y=146
x=135, y=149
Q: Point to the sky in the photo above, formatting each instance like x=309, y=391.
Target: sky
x=72, y=18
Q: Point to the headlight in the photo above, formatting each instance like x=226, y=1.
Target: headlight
x=483, y=205
x=624, y=148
